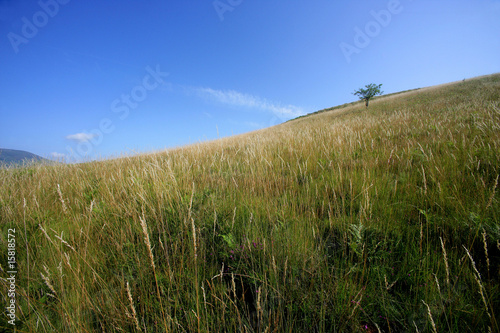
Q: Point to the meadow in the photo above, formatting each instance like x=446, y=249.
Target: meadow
x=354, y=219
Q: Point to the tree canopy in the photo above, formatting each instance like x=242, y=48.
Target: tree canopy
x=371, y=90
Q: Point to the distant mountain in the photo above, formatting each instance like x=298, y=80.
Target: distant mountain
x=18, y=157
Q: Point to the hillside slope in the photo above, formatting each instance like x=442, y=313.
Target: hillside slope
x=18, y=157
x=351, y=220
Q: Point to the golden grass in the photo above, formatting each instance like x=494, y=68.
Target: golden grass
x=333, y=222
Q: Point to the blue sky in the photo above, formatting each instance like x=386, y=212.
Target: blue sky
x=82, y=80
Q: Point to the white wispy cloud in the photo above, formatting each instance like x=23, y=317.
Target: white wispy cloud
x=81, y=137
x=57, y=156
x=236, y=98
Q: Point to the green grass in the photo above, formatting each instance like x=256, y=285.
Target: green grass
x=350, y=220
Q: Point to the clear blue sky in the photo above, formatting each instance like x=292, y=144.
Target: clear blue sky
x=90, y=79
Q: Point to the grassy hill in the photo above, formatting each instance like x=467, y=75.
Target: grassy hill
x=18, y=157
x=350, y=220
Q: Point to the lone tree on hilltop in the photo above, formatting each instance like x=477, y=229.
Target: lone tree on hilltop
x=371, y=91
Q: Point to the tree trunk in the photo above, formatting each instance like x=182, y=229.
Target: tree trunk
x=367, y=101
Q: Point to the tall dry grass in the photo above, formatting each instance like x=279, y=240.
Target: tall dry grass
x=348, y=220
